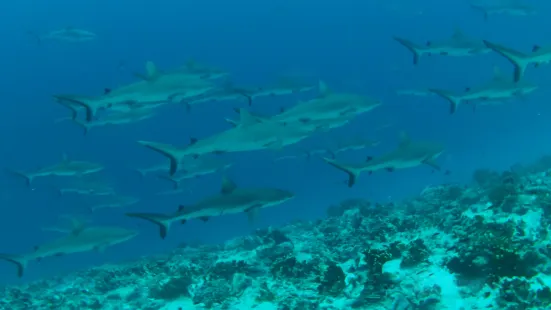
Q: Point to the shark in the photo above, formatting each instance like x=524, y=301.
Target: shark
x=114, y=201
x=408, y=154
x=155, y=169
x=191, y=69
x=312, y=124
x=251, y=135
x=500, y=88
x=67, y=34
x=520, y=60
x=195, y=168
x=83, y=240
x=283, y=88
x=331, y=150
x=458, y=45
x=220, y=95
x=328, y=105
x=117, y=118
x=414, y=92
x=86, y=186
x=66, y=167
x=505, y=7
x=164, y=87
x=357, y=144
x=231, y=200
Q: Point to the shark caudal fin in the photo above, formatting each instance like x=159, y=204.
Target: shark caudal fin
x=175, y=183
x=518, y=59
x=85, y=126
x=28, y=178
x=167, y=150
x=18, y=261
x=412, y=47
x=161, y=220
x=89, y=108
x=352, y=174
x=453, y=99
x=482, y=10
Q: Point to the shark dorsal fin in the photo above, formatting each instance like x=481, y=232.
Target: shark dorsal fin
x=245, y=118
x=181, y=208
x=191, y=64
x=405, y=141
x=192, y=141
x=228, y=186
x=77, y=226
x=536, y=48
x=323, y=88
x=151, y=70
x=458, y=34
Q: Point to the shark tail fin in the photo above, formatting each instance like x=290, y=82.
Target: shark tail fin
x=85, y=126
x=19, y=262
x=166, y=150
x=28, y=178
x=175, y=183
x=482, y=10
x=90, y=110
x=518, y=59
x=160, y=220
x=453, y=99
x=412, y=47
x=352, y=174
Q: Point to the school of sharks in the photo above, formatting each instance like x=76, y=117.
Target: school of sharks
x=195, y=84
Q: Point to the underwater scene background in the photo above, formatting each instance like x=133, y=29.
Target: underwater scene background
x=323, y=155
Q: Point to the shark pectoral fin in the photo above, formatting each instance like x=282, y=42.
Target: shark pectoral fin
x=204, y=218
x=19, y=262
x=228, y=186
x=432, y=163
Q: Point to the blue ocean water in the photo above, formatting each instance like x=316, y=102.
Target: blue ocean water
x=348, y=44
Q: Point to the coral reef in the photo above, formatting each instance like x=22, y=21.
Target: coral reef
x=485, y=246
